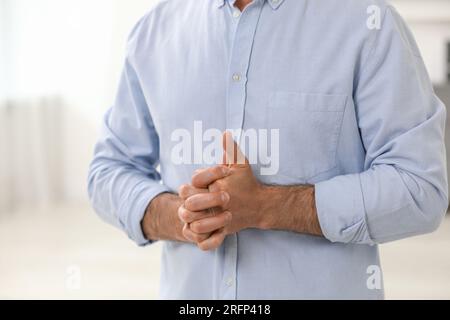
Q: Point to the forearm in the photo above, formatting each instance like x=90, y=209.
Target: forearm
x=161, y=220
x=290, y=209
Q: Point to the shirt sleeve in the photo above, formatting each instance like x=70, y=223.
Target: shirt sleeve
x=123, y=179
x=403, y=191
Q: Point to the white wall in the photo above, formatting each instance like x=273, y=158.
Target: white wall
x=69, y=47
x=4, y=18
x=73, y=49
x=430, y=22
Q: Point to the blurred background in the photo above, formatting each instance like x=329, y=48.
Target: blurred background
x=60, y=62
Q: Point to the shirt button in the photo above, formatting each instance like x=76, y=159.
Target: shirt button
x=236, y=77
x=229, y=282
x=236, y=14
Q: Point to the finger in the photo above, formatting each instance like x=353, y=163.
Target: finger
x=200, y=202
x=215, y=187
x=214, y=241
x=232, y=154
x=203, y=178
x=194, y=237
x=211, y=224
x=190, y=216
x=186, y=191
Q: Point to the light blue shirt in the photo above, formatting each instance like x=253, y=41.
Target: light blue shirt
x=358, y=119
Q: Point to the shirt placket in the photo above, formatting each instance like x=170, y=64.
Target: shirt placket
x=244, y=33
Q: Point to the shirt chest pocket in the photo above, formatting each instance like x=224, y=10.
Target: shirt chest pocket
x=309, y=127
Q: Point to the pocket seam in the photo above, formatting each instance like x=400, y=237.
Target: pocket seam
x=308, y=102
x=341, y=102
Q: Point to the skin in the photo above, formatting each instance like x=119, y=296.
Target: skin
x=241, y=4
x=227, y=199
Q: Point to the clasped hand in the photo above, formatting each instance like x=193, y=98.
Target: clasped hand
x=221, y=200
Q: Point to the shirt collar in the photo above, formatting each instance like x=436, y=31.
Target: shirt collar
x=273, y=3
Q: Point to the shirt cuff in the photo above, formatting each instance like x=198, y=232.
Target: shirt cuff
x=341, y=212
x=137, y=212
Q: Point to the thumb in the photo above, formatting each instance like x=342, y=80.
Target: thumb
x=232, y=154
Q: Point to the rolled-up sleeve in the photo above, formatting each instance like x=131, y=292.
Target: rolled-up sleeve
x=123, y=178
x=403, y=191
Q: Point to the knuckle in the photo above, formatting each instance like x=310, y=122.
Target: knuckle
x=186, y=233
x=203, y=246
x=197, y=179
x=196, y=227
x=183, y=214
x=224, y=197
x=184, y=190
x=217, y=171
x=198, y=238
x=181, y=211
x=214, y=187
x=189, y=204
x=194, y=238
x=221, y=185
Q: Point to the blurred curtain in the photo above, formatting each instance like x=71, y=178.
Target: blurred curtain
x=31, y=110
x=60, y=61
x=30, y=148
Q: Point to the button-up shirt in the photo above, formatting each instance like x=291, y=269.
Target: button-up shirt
x=344, y=83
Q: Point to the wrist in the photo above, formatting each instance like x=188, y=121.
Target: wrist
x=267, y=202
x=161, y=220
x=289, y=209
